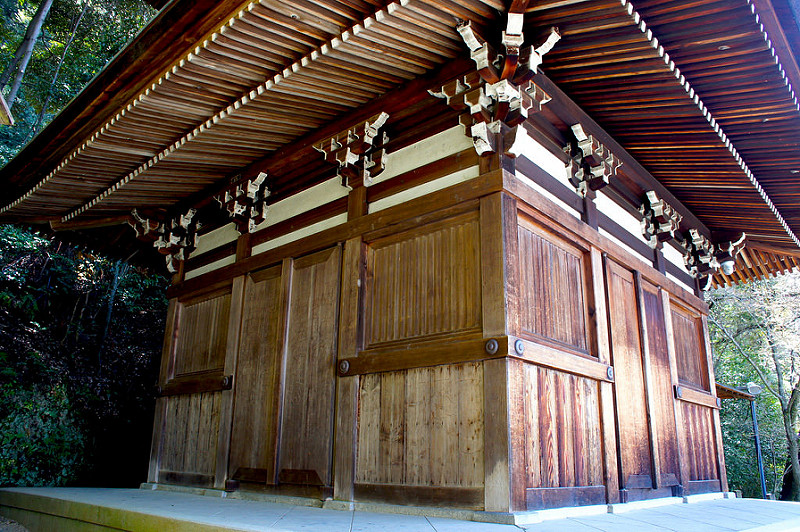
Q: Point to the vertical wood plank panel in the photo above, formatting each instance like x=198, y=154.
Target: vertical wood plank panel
x=392, y=428
x=418, y=426
x=552, y=288
x=661, y=378
x=307, y=414
x=533, y=448
x=680, y=422
x=497, y=492
x=606, y=391
x=634, y=436
x=470, y=425
x=408, y=297
x=257, y=376
x=369, y=429
x=444, y=426
x=347, y=387
x=229, y=345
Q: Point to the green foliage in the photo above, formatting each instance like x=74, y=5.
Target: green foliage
x=754, y=334
x=73, y=400
x=104, y=28
x=41, y=442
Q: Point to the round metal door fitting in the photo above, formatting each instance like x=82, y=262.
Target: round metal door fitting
x=519, y=347
x=492, y=346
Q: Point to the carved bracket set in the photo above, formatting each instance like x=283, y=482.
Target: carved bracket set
x=358, y=151
x=246, y=203
x=175, y=239
x=661, y=223
x=591, y=164
x=500, y=95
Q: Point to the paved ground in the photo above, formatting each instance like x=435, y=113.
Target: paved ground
x=136, y=509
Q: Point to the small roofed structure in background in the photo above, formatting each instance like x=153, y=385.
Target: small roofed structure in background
x=6, y=118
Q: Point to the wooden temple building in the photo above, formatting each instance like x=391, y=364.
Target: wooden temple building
x=436, y=252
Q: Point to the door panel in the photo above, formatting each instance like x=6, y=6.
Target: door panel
x=255, y=416
x=661, y=379
x=626, y=351
x=310, y=378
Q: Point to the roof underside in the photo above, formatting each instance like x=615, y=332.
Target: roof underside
x=696, y=92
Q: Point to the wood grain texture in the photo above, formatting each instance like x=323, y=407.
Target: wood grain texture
x=553, y=298
x=626, y=351
x=191, y=430
x=422, y=427
x=310, y=358
x=255, y=415
x=663, y=401
x=680, y=426
x=562, y=429
x=690, y=353
x=345, y=433
x=202, y=335
x=226, y=397
x=424, y=282
x=700, y=441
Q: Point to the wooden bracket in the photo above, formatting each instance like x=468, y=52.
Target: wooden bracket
x=518, y=65
x=358, y=151
x=728, y=250
x=177, y=238
x=591, y=164
x=246, y=203
x=499, y=93
x=660, y=222
x=699, y=257
x=491, y=109
x=144, y=226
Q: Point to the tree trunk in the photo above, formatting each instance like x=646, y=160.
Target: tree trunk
x=120, y=269
x=26, y=49
x=794, y=459
x=67, y=45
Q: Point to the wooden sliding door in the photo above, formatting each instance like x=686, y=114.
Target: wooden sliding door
x=257, y=391
x=648, y=447
x=285, y=379
x=634, y=438
x=310, y=370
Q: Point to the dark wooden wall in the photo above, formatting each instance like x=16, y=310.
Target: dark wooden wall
x=474, y=347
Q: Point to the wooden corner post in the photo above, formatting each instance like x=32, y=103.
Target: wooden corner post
x=504, y=449
x=161, y=402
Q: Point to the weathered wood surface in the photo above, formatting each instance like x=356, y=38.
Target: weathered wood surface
x=424, y=282
x=700, y=442
x=190, y=436
x=202, y=335
x=626, y=352
x=255, y=418
x=663, y=402
x=422, y=427
x=309, y=385
x=563, y=439
x=689, y=348
x=553, y=302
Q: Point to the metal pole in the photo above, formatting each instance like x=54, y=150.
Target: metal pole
x=758, y=450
